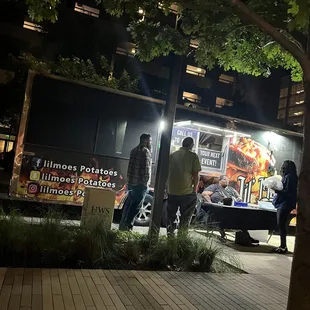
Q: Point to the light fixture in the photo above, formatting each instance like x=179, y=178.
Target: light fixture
x=182, y=123
x=133, y=50
x=299, y=91
x=161, y=125
x=221, y=129
x=299, y=113
x=270, y=136
x=300, y=102
x=187, y=123
x=141, y=11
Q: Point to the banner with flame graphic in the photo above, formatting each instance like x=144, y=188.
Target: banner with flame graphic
x=249, y=163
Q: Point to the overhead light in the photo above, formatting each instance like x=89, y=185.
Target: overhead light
x=299, y=91
x=270, y=136
x=182, y=123
x=221, y=129
x=298, y=113
x=297, y=124
x=300, y=102
x=161, y=125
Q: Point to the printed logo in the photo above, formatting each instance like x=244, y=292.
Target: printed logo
x=37, y=163
x=33, y=188
x=35, y=175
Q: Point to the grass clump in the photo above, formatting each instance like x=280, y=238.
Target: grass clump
x=49, y=243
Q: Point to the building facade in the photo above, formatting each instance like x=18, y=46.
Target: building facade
x=291, y=103
x=84, y=30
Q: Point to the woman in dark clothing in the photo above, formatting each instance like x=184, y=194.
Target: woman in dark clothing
x=285, y=201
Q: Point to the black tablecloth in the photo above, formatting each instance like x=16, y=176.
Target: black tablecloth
x=245, y=218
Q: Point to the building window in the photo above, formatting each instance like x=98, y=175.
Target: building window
x=191, y=97
x=228, y=79
x=297, y=89
x=283, y=92
x=195, y=71
x=281, y=114
x=221, y=102
x=296, y=111
x=32, y=26
x=129, y=49
x=85, y=9
x=194, y=43
x=282, y=103
x=174, y=8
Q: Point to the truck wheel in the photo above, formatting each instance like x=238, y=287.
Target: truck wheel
x=144, y=216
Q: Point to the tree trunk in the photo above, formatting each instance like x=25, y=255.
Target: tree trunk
x=299, y=294
x=164, y=151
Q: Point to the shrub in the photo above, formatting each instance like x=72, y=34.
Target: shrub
x=49, y=243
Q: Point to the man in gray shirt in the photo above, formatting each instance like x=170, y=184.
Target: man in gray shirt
x=218, y=192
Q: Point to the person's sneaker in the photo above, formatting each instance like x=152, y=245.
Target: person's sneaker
x=253, y=240
x=280, y=250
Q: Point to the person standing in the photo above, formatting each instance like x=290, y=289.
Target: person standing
x=285, y=201
x=139, y=177
x=183, y=178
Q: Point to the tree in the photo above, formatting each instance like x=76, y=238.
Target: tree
x=250, y=36
x=74, y=68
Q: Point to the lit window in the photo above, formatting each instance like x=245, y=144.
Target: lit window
x=2, y=146
x=194, y=43
x=128, y=49
x=300, y=102
x=296, y=111
x=297, y=89
x=9, y=146
x=191, y=97
x=173, y=8
x=221, y=102
x=85, y=9
x=228, y=79
x=32, y=26
x=299, y=124
x=195, y=70
x=142, y=13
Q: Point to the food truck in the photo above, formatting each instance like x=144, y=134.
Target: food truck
x=75, y=135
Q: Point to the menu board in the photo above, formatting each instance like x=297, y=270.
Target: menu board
x=210, y=158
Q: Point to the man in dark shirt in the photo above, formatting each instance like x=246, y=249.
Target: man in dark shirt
x=139, y=177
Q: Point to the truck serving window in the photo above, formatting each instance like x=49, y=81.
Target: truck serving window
x=73, y=117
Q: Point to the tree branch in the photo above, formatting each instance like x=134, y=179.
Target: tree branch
x=272, y=31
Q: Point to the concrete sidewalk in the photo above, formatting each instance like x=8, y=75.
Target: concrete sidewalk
x=265, y=287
